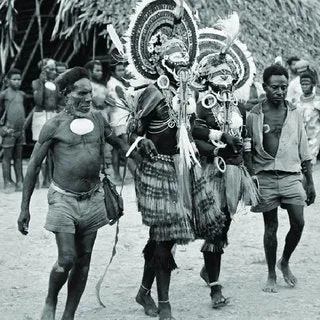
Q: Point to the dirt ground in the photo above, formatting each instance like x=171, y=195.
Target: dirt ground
x=25, y=263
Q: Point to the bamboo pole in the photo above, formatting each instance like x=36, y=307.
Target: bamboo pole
x=35, y=48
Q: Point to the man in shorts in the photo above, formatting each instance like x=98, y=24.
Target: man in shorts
x=279, y=152
x=75, y=197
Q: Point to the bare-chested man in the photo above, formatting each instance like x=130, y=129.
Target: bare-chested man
x=75, y=197
x=280, y=150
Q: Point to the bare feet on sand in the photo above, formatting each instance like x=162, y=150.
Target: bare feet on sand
x=48, y=312
x=271, y=285
x=288, y=276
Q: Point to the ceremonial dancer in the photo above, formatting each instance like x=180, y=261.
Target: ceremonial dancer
x=224, y=70
x=172, y=195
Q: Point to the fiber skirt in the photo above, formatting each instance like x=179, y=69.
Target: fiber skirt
x=232, y=186
x=175, y=212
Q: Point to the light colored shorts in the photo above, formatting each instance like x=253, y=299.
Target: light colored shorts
x=39, y=118
x=69, y=215
x=278, y=188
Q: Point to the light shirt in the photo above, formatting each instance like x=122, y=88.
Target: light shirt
x=293, y=143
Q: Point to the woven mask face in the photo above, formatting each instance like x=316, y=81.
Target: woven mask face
x=175, y=53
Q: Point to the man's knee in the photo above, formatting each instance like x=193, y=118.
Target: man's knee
x=162, y=257
x=65, y=263
x=83, y=261
x=298, y=225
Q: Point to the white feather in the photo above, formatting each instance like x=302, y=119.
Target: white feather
x=230, y=27
x=115, y=38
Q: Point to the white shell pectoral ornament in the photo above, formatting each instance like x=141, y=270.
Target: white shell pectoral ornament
x=81, y=126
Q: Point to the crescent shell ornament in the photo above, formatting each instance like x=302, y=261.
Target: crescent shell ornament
x=81, y=126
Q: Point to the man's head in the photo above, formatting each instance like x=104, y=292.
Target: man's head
x=14, y=79
x=217, y=71
x=302, y=66
x=94, y=67
x=308, y=80
x=275, y=83
x=291, y=62
x=48, y=66
x=76, y=86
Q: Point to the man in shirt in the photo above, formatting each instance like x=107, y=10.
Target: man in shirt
x=279, y=151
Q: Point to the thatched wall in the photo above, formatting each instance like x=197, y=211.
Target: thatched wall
x=269, y=27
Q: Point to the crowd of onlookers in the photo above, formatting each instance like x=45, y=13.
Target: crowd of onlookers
x=108, y=98
x=47, y=102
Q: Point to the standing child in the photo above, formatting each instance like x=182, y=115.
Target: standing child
x=12, y=130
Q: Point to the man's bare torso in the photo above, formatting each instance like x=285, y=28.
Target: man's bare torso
x=272, y=127
x=76, y=157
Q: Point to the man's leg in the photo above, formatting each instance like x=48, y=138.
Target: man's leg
x=270, y=247
x=212, y=253
x=79, y=273
x=144, y=294
x=293, y=237
x=59, y=273
x=17, y=164
x=164, y=264
x=6, y=168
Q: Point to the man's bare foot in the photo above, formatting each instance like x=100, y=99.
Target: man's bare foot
x=144, y=298
x=48, y=312
x=288, y=276
x=165, y=311
x=271, y=285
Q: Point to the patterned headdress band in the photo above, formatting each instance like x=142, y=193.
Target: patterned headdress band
x=216, y=47
x=154, y=29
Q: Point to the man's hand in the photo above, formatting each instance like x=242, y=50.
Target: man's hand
x=148, y=148
x=232, y=141
x=311, y=193
x=23, y=221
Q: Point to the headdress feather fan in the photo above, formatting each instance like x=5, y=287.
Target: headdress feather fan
x=231, y=29
x=115, y=39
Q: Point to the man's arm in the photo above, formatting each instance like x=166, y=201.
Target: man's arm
x=247, y=145
x=39, y=152
x=309, y=186
x=38, y=91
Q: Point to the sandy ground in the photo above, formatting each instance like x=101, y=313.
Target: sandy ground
x=25, y=263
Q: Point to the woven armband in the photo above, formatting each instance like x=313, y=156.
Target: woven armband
x=247, y=145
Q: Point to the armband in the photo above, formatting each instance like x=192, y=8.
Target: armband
x=247, y=145
x=134, y=145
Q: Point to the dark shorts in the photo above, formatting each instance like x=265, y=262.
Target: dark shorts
x=278, y=188
x=15, y=139
x=69, y=215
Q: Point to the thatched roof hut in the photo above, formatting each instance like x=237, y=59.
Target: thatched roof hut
x=269, y=27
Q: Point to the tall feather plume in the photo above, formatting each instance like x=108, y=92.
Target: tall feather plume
x=115, y=39
x=230, y=27
x=178, y=11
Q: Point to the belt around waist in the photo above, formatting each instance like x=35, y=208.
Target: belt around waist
x=77, y=195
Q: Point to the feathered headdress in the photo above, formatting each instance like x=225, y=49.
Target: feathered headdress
x=153, y=23
x=220, y=45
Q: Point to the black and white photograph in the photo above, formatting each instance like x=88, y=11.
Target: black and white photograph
x=159, y=159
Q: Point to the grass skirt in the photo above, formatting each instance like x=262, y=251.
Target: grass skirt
x=233, y=186
x=171, y=213
x=159, y=203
